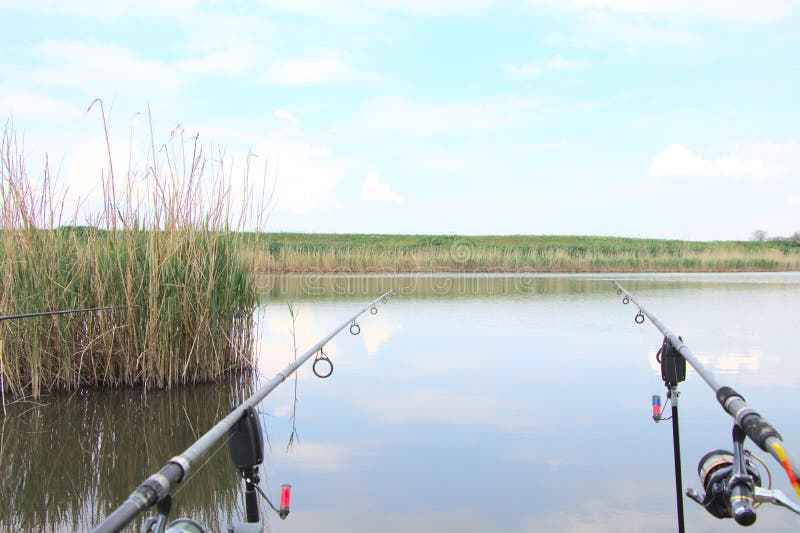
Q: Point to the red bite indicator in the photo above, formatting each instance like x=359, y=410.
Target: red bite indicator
x=656, y=407
x=286, y=496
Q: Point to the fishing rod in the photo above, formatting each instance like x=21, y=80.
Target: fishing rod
x=62, y=312
x=243, y=430
x=731, y=480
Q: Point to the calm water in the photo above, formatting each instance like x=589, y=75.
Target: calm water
x=468, y=404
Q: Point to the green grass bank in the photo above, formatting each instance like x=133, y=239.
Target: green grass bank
x=364, y=253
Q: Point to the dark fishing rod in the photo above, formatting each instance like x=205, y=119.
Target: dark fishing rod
x=243, y=429
x=61, y=312
x=731, y=480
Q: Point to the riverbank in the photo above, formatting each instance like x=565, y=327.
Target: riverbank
x=365, y=253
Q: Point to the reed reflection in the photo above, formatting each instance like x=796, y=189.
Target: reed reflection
x=67, y=464
x=316, y=286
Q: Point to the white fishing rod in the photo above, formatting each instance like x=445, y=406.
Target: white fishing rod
x=241, y=425
x=731, y=481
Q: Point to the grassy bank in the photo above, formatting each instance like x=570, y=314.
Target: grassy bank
x=167, y=251
x=299, y=252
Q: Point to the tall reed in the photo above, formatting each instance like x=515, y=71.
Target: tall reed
x=164, y=243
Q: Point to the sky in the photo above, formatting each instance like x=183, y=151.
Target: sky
x=638, y=118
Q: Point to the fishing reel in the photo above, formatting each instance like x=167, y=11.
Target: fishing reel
x=159, y=523
x=732, y=484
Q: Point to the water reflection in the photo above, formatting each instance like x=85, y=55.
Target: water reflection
x=529, y=411
x=68, y=463
x=453, y=410
x=323, y=286
x=318, y=287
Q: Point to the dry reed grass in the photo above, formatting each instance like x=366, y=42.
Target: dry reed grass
x=165, y=244
x=365, y=253
x=479, y=257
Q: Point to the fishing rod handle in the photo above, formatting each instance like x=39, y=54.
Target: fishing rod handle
x=150, y=492
x=754, y=425
x=758, y=429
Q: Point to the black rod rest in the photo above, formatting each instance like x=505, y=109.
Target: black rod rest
x=673, y=372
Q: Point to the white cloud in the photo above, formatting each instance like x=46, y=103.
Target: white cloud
x=377, y=335
x=283, y=114
x=765, y=368
x=375, y=190
x=437, y=7
x=88, y=161
x=736, y=165
x=737, y=11
x=102, y=69
x=275, y=343
x=530, y=70
x=306, y=175
x=322, y=69
x=676, y=160
x=632, y=31
x=447, y=162
x=369, y=10
x=558, y=62
x=234, y=58
x=423, y=120
x=432, y=405
x=217, y=43
x=28, y=106
x=527, y=455
x=102, y=8
x=320, y=456
x=527, y=70
x=748, y=160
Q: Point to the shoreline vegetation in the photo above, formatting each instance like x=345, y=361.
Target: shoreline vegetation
x=172, y=243
x=372, y=253
x=167, y=251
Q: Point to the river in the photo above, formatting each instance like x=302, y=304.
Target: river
x=473, y=403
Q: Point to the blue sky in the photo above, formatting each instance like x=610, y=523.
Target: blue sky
x=606, y=117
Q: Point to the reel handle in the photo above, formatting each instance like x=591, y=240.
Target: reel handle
x=742, y=502
x=741, y=483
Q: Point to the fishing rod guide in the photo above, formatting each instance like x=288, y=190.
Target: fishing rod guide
x=158, y=487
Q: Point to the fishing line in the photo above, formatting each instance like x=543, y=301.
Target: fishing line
x=769, y=475
x=199, y=468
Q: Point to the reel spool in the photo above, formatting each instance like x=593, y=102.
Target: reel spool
x=716, y=471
